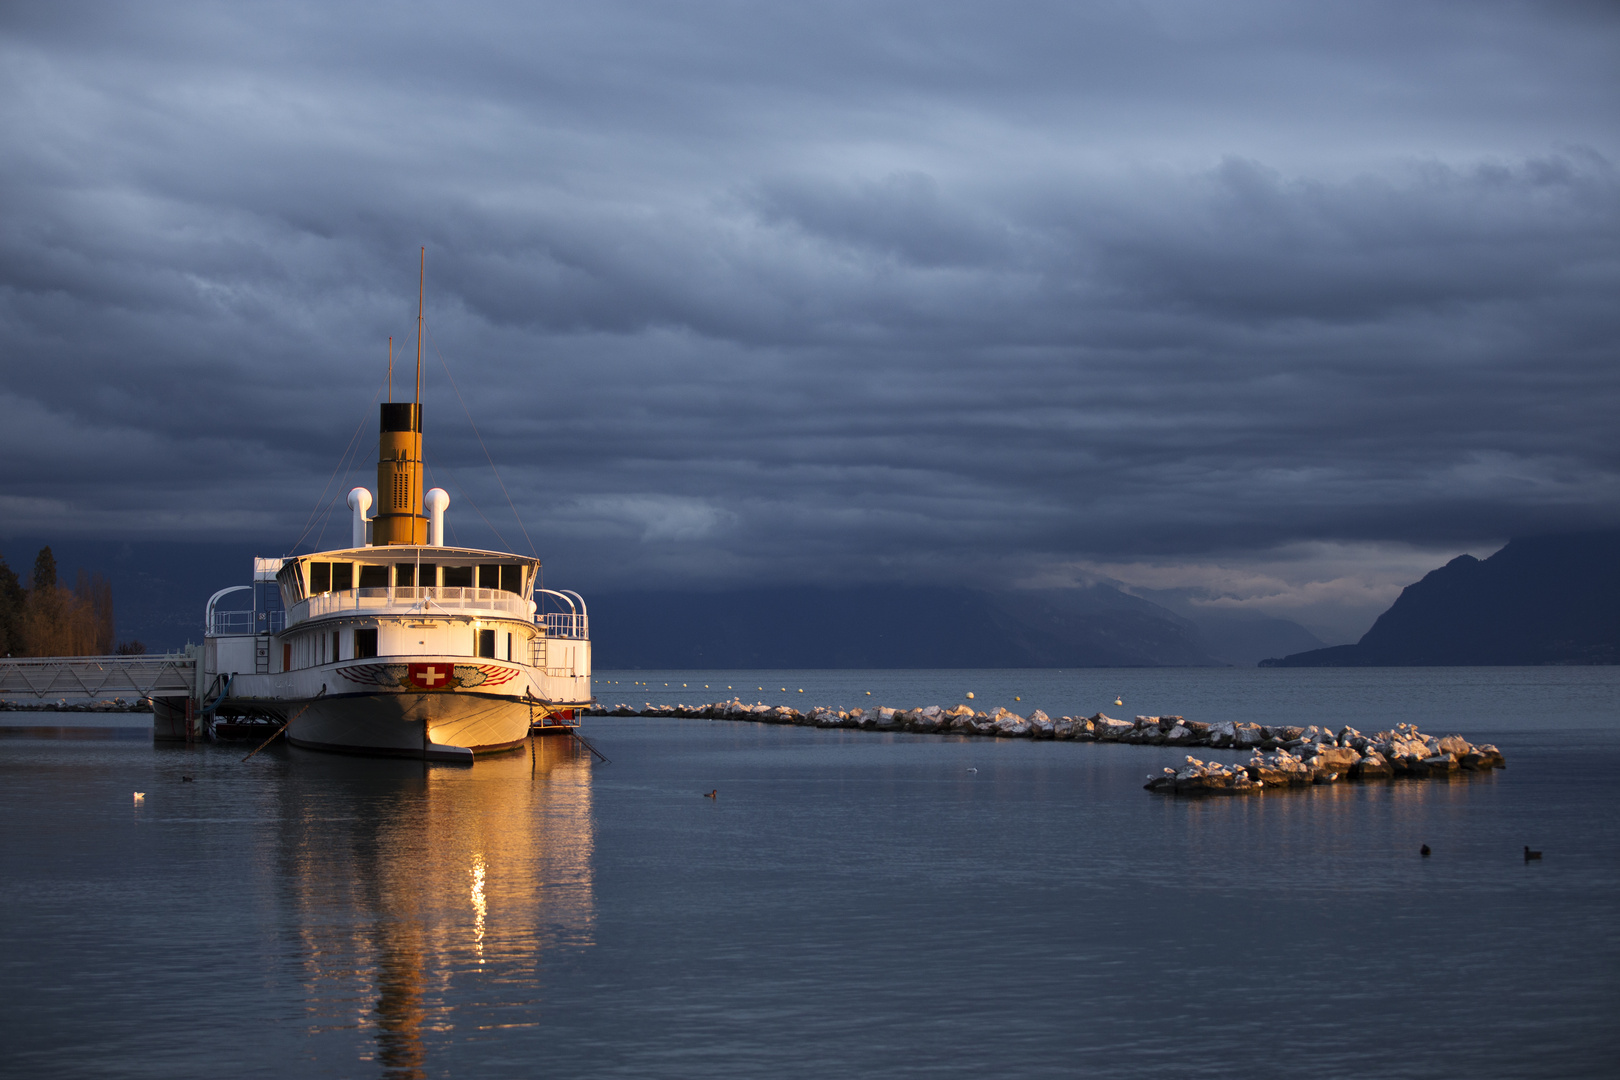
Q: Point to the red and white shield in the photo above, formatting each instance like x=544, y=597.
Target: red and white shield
x=432, y=676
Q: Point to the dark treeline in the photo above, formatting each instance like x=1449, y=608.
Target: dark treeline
x=46, y=619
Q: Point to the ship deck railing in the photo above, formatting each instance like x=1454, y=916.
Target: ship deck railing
x=222, y=623
x=410, y=600
x=565, y=624
x=427, y=600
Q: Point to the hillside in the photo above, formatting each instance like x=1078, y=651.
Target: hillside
x=1539, y=600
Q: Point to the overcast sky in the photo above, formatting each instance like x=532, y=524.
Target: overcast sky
x=1277, y=304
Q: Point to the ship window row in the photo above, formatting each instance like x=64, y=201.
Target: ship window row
x=342, y=576
x=313, y=650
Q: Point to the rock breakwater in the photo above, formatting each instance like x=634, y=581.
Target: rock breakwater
x=1282, y=756
x=64, y=705
x=1326, y=757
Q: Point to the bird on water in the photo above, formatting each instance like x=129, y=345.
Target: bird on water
x=1528, y=854
x=715, y=794
x=1424, y=851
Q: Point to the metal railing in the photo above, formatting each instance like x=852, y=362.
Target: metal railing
x=564, y=624
x=245, y=622
x=574, y=623
x=97, y=677
x=412, y=599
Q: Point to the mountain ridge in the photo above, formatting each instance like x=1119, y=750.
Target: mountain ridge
x=1551, y=599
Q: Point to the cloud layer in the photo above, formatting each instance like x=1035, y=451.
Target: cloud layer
x=891, y=292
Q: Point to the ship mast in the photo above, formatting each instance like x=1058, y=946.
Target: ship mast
x=421, y=292
x=400, y=519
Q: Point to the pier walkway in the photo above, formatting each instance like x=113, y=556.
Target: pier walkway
x=97, y=678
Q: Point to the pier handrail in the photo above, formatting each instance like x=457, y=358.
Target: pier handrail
x=94, y=677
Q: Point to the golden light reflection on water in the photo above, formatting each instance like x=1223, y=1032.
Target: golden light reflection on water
x=419, y=888
x=480, y=906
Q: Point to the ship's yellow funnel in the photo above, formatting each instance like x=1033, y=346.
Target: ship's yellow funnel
x=399, y=517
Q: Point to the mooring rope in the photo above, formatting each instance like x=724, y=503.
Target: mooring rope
x=288, y=723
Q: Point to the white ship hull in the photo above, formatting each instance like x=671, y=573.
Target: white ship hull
x=380, y=706
x=434, y=726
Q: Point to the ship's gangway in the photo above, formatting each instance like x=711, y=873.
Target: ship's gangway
x=97, y=678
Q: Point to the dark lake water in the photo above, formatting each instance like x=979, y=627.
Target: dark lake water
x=851, y=904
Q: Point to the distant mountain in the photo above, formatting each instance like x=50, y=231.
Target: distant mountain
x=889, y=627
x=1540, y=600
x=1243, y=639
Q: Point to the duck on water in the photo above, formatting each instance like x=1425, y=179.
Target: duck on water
x=399, y=644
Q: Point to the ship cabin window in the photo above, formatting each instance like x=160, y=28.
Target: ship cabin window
x=405, y=575
x=337, y=646
x=342, y=576
x=320, y=578
x=291, y=580
x=374, y=577
x=458, y=577
x=365, y=643
x=286, y=656
x=486, y=643
x=508, y=577
x=509, y=646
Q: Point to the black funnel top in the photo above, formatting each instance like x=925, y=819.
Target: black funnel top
x=401, y=416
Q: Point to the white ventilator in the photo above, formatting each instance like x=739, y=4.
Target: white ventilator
x=360, y=502
x=436, y=501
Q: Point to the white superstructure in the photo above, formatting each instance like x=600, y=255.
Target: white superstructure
x=419, y=650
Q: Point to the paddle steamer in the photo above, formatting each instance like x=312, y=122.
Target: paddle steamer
x=399, y=644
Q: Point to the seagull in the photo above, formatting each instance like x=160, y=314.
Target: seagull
x=1424, y=851
x=971, y=769
x=715, y=794
x=1119, y=701
x=1528, y=854
x=139, y=795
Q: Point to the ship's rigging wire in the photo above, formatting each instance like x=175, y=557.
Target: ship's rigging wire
x=487, y=456
x=320, y=503
x=464, y=495
x=321, y=513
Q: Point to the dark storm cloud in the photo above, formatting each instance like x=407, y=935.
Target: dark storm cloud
x=898, y=291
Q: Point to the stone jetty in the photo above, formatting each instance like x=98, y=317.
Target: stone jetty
x=1282, y=756
x=1318, y=756
x=64, y=705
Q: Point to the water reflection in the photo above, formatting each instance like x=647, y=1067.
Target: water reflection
x=417, y=890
